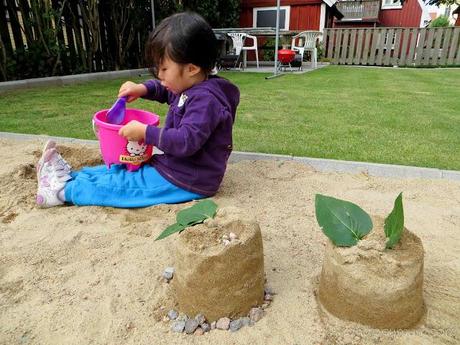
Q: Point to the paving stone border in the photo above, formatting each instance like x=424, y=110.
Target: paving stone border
x=70, y=79
x=323, y=165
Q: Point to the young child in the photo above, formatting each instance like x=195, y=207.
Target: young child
x=196, y=138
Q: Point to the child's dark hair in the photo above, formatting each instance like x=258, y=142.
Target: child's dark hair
x=185, y=38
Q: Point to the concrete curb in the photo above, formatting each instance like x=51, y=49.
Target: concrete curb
x=69, y=79
x=323, y=165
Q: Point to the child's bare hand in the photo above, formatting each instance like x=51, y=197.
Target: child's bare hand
x=132, y=91
x=133, y=131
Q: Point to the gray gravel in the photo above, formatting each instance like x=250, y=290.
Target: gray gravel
x=178, y=326
x=190, y=326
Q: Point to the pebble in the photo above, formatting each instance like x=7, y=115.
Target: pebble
x=198, y=331
x=178, y=326
x=213, y=325
x=226, y=242
x=206, y=327
x=172, y=314
x=223, y=323
x=168, y=273
x=182, y=317
x=190, y=326
x=225, y=237
x=235, y=325
x=233, y=236
x=245, y=321
x=268, y=297
x=200, y=319
x=256, y=314
x=269, y=291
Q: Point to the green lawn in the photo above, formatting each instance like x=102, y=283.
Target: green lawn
x=399, y=116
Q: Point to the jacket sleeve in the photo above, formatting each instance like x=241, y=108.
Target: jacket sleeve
x=200, y=119
x=157, y=92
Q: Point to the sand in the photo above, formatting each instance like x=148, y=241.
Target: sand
x=91, y=275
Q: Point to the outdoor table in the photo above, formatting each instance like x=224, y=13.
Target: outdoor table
x=258, y=32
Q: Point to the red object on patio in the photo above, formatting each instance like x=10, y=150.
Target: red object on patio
x=286, y=56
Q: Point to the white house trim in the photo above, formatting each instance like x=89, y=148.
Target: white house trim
x=287, y=18
x=322, y=18
x=390, y=7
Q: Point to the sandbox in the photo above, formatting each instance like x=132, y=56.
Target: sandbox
x=215, y=277
x=378, y=287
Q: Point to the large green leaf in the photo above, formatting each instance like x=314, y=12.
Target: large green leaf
x=170, y=230
x=342, y=221
x=394, y=223
x=197, y=213
x=190, y=216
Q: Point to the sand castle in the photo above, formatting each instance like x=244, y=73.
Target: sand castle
x=217, y=277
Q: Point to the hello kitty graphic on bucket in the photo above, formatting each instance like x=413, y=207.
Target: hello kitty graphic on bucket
x=115, y=149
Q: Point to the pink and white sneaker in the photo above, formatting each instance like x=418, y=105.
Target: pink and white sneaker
x=53, y=172
x=57, y=159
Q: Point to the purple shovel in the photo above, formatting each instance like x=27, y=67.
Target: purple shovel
x=116, y=113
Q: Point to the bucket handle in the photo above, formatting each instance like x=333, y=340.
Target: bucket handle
x=95, y=129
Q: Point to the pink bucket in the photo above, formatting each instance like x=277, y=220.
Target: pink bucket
x=117, y=150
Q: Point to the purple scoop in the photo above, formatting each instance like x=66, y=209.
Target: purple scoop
x=116, y=113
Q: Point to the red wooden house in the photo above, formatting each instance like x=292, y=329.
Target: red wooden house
x=386, y=13
x=294, y=14
x=320, y=14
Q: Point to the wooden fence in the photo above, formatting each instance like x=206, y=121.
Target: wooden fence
x=393, y=46
x=54, y=37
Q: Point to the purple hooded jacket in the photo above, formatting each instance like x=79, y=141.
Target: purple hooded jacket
x=197, y=136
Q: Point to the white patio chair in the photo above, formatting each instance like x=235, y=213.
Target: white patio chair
x=306, y=41
x=239, y=38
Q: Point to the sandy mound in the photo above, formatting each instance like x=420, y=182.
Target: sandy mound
x=91, y=275
x=377, y=287
x=215, y=279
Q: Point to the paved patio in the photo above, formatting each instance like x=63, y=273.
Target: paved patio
x=306, y=67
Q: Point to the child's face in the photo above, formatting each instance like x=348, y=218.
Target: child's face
x=177, y=77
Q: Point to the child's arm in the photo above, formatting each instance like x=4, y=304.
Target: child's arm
x=151, y=89
x=199, y=121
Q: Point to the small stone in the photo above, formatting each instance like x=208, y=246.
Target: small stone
x=178, y=326
x=223, y=323
x=225, y=237
x=206, y=327
x=190, y=326
x=172, y=314
x=168, y=273
x=269, y=290
x=200, y=319
x=245, y=321
x=233, y=236
x=226, y=242
x=268, y=297
x=213, y=325
x=235, y=325
x=182, y=317
x=198, y=331
x=256, y=314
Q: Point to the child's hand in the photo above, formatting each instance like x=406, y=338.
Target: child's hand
x=132, y=90
x=133, y=131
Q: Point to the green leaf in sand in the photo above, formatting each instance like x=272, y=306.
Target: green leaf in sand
x=342, y=221
x=197, y=213
x=394, y=223
x=190, y=216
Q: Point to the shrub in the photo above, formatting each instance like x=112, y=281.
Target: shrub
x=440, y=22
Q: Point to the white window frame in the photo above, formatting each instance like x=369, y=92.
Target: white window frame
x=286, y=21
x=394, y=6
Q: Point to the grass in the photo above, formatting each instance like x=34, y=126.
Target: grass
x=397, y=116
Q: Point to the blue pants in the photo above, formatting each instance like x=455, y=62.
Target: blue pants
x=118, y=187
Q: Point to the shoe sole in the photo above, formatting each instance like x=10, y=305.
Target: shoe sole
x=50, y=144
